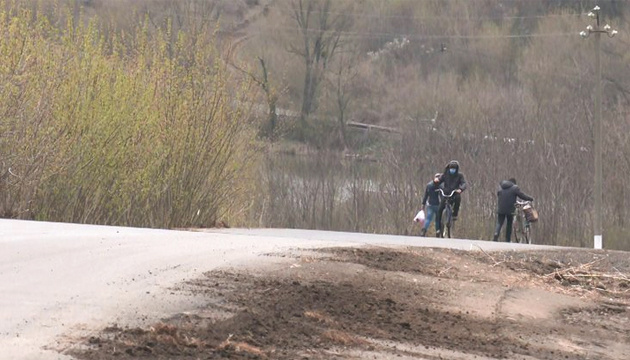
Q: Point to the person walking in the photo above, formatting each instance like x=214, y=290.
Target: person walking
x=430, y=204
x=506, y=199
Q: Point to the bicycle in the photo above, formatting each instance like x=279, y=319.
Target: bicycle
x=447, y=223
x=522, y=226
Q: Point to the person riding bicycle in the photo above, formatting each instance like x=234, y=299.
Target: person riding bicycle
x=506, y=198
x=430, y=204
x=451, y=180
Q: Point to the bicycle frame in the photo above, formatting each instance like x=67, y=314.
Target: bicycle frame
x=446, y=221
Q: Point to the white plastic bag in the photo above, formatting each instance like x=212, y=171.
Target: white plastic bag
x=419, y=217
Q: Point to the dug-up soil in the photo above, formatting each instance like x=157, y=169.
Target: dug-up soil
x=402, y=303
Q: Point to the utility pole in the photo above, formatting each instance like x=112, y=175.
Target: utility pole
x=597, y=126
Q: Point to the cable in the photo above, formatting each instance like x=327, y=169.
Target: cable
x=403, y=17
x=353, y=34
x=279, y=5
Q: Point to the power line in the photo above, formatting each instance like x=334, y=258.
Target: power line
x=469, y=1
x=417, y=18
x=286, y=5
x=504, y=1
x=405, y=17
x=412, y=36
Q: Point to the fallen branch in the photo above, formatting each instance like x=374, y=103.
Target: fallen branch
x=574, y=269
x=490, y=256
x=604, y=276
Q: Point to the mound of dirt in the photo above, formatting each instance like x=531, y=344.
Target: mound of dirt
x=382, y=303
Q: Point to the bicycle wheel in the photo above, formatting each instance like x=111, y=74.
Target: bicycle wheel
x=446, y=223
x=523, y=231
x=517, y=229
x=527, y=234
x=449, y=227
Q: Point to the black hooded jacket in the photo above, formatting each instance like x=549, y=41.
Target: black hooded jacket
x=431, y=194
x=452, y=181
x=507, y=197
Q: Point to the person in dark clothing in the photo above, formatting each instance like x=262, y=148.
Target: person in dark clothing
x=451, y=179
x=506, y=198
x=430, y=204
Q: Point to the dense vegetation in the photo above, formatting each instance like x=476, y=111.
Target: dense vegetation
x=130, y=128
x=146, y=112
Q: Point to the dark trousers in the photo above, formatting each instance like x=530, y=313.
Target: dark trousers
x=457, y=200
x=501, y=218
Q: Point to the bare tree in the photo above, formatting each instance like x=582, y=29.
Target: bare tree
x=320, y=37
x=342, y=78
x=271, y=92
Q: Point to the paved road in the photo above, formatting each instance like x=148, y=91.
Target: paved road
x=61, y=280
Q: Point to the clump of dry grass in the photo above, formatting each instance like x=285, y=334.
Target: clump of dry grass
x=343, y=338
x=240, y=346
x=169, y=334
x=318, y=316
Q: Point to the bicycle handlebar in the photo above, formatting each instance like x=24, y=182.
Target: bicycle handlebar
x=447, y=196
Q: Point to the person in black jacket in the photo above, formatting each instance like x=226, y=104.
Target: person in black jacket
x=430, y=204
x=451, y=179
x=506, y=198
